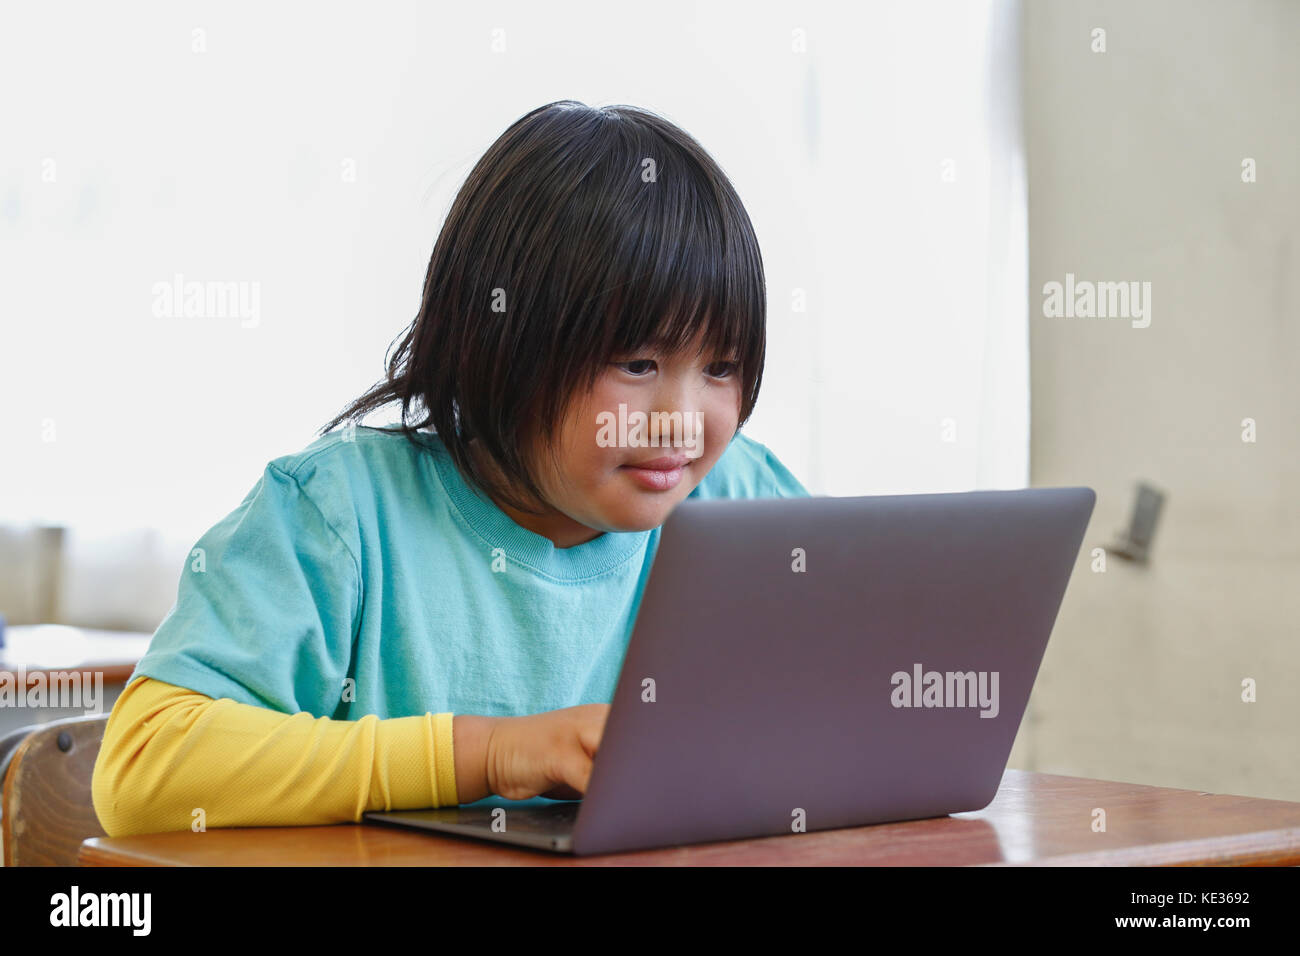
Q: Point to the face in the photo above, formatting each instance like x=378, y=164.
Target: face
x=609, y=474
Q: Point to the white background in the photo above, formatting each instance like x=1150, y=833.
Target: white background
x=226, y=166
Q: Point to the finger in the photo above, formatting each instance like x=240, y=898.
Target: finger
x=592, y=730
x=562, y=793
x=577, y=772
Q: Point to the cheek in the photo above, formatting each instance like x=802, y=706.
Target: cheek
x=604, y=399
x=606, y=396
x=582, y=449
x=720, y=418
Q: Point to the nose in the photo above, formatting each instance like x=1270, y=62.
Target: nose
x=676, y=419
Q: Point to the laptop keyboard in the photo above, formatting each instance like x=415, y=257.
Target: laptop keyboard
x=542, y=819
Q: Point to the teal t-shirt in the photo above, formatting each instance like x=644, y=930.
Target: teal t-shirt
x=362, y=575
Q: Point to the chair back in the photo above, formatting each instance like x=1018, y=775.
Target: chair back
x=46, y=809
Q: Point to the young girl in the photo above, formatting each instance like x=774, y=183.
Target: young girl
x=431, y=613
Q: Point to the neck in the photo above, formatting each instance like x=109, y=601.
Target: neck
x=555, y=525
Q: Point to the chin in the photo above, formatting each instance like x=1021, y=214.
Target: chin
x=640, y=519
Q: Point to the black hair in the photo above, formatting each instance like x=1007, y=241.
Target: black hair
x=582, y=233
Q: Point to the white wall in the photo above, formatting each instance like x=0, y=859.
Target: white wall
x=1135, y=174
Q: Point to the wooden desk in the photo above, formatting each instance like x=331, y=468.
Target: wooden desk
x=1036, y=818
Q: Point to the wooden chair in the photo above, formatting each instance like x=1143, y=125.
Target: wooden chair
x=45, y=804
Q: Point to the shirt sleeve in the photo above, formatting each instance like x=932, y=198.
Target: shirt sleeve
x=266, y=609
x=783, y=482
x=173, y=759
x=749, y=469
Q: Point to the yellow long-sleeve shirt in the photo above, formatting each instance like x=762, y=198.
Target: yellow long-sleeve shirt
x=169, y=752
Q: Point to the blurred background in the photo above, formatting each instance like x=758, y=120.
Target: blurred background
x=917, y=173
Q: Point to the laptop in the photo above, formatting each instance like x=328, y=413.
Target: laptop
x=804, y=664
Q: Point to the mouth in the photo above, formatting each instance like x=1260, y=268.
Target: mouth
x=658, y=474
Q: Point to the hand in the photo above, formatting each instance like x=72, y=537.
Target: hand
x=548, y=754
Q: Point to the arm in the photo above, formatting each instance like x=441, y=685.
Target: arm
x=168, y=751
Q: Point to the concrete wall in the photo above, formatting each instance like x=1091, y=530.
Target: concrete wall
x=1135, y=173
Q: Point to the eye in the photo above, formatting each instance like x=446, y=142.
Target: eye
x=723, y=369
x=636, y=366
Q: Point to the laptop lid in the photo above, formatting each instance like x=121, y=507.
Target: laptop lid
x=811, y=663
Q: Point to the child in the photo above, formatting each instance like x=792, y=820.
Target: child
x=431, y=613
